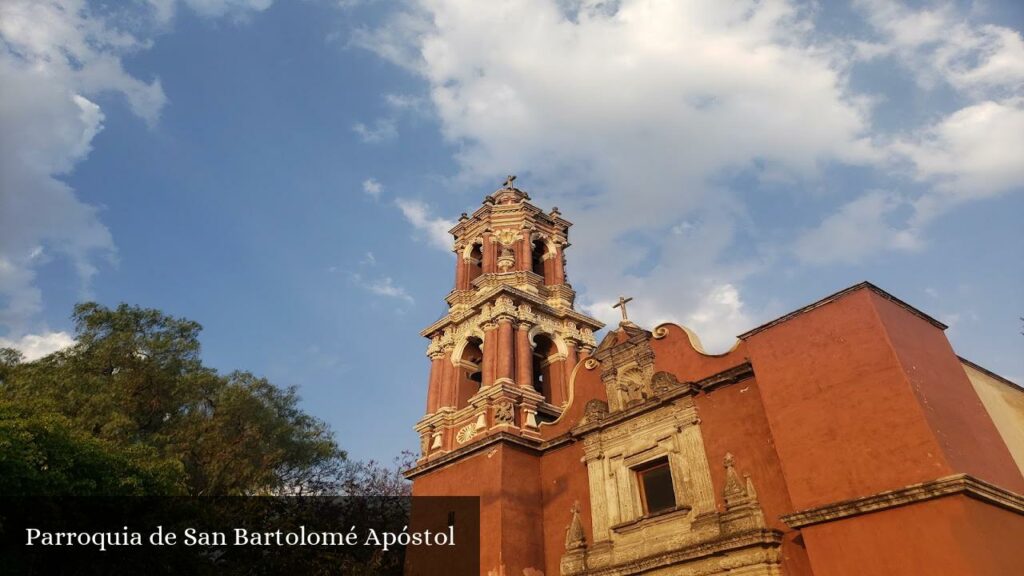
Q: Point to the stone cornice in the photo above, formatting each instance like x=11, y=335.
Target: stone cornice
x=460, y=453
x=538, y=302
x=947, y=486
x=760, y=538
x=730, y=376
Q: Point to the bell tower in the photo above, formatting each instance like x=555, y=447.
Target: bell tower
x=502, y=356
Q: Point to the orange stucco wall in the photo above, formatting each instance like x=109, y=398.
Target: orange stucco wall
x=953, y=535
x=961, y=425
x=563, y=482
x=842, y=414
x=507, y=480
x=733, y=421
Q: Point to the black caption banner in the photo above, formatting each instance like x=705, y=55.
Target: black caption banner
x=240, y=535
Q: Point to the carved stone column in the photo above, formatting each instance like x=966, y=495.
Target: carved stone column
x=598, y=503
x=490, y=350
x=570, y=362
x=691, y=448
x=524, y=254
x=461, y=263
x=549, y=269
x=434, y=388
x=506, y=351
x=490, y=254
x=524, y=356
x=559, y=265
x=447, y=383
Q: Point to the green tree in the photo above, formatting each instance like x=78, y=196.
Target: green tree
x=45, y=454
x=134, y=388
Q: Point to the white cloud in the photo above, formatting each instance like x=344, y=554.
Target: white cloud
x=973, y=153
x=858, y=229
x=53, y=55
x=372, y=188
x=939, y=44
x=625, y=115
x=383, y=287
x=435, y=229
x=630, y=115
x=56, y=56
x=35, y=346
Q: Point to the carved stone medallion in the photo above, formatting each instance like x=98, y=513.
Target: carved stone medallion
x=465, y=433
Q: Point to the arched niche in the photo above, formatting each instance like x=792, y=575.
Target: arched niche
x=548, y=357
x=457, y=352
x=539, y=247
x=473, y=258
x=469, y=370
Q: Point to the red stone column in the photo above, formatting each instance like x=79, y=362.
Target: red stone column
x=490, y=254
x=557, y=371
x=524, y=356
x=460, y=272
x=549, y=269
x=490, y=351
x=523, y=253
x=570, y=363
x=447, y=383
x=506, y=350
x=559, y=266
x=434, y=389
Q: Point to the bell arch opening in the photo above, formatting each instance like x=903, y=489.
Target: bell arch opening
x=546, y=366
x=470, y=374
x=475, y=265
x=537, y=251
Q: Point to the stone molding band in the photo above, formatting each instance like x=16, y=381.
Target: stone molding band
x=755, y=549
x=946, y=486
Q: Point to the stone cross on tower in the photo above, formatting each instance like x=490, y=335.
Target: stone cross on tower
x=509, y=181
x=622, y=305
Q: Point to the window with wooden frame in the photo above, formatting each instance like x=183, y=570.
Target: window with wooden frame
x=656, y=489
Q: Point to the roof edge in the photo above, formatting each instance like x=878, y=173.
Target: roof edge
x=836, y=296
x=988, y=372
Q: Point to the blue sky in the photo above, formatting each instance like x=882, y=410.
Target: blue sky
x=283, y=171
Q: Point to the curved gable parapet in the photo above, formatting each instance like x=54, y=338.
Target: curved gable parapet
x=662, y=331
x=678, y=350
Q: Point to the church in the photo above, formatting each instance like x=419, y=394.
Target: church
x=843, y=438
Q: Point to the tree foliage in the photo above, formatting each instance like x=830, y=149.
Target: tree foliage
x=130, y=408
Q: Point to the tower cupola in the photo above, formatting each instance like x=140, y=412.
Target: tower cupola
x=502, y=356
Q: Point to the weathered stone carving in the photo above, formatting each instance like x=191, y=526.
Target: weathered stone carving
x=467, y=432
x=595, y=410
x=504, y=412
x=632, y=383
x=742, y=510
x=663, y=382
x=574, y=537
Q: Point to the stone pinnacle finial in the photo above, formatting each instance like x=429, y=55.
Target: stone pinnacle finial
x=574, y=536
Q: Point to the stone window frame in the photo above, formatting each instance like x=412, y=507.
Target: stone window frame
x=636, y=462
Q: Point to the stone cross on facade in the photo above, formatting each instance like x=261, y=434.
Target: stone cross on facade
x=509, y=181
x=622, y=304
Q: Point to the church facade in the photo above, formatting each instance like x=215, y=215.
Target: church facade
x=844, y=438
